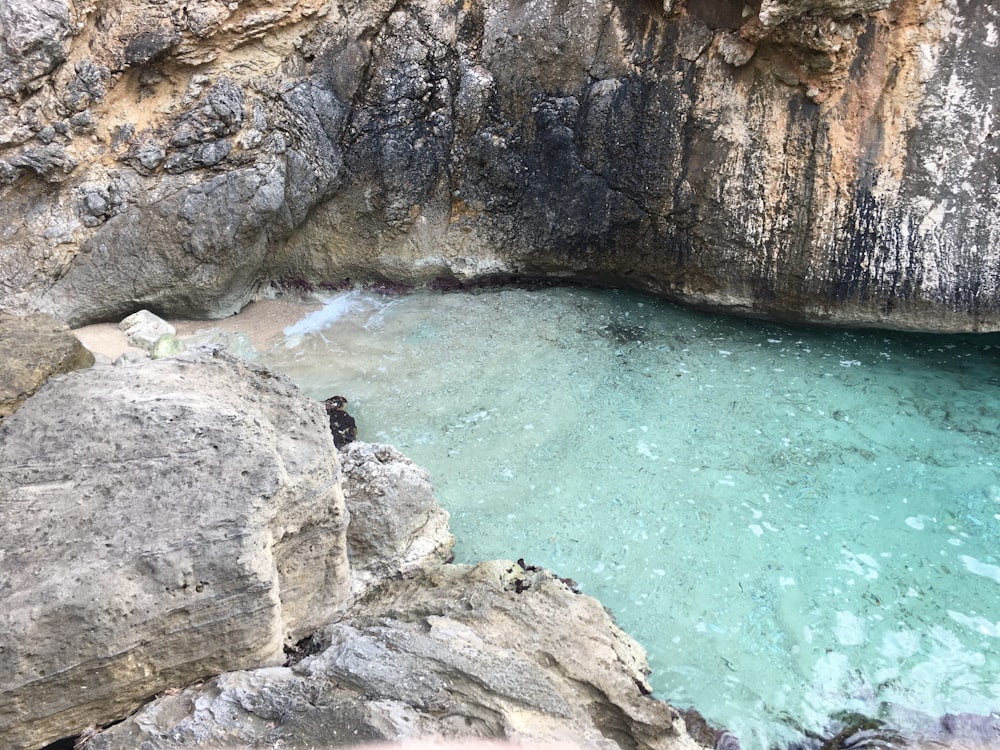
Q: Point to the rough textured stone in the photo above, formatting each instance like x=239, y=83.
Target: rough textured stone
x=32, y=36
x=397, y=527
x=774, y=12
x=33, y=348
x=808, y=160
x=162, y=522
x=490, y=651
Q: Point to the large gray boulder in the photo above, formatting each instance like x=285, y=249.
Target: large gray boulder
x=162, y=523
x=397, y=527
x=492, y=651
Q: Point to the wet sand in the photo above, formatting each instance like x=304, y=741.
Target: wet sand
x=262, y=321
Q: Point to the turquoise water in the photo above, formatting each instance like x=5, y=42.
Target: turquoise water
x=793, y=522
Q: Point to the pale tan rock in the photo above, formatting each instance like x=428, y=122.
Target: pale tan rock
x=33, y=348
x=734, y=50
x=143, y=329
x=397, y=526
x=491, y=651
x=774, y=12
x=162, y=522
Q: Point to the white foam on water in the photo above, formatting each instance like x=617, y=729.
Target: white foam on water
x=978, y=623
x=849, y=630
x=980, y=568
x=336, y=309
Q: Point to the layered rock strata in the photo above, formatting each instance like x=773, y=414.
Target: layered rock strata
x=811, y=160
x=489, y=651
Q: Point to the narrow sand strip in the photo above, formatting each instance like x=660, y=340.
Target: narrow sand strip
x=263, y=321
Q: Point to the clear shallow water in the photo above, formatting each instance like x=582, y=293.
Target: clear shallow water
x=792, y=522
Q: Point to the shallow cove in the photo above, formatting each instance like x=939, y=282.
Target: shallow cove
x=793, y=522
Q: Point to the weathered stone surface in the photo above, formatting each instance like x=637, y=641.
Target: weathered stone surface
x=32, y=37
x=490, y=651
x=33, y=348
x=774, y=12
x=397, y=527
x=810, y=160
x=168, y=345
x=162, y=523
x=143, y=329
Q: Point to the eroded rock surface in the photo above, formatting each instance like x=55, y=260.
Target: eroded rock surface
x=490, y=651
x=162, y=523
x=397, y=526
x=812, y=160
x=33, y=348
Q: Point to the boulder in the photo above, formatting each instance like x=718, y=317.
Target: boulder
x=491, y=651
x=397, y=527
x=163, y=523
x=33, y=348
x=143, y=329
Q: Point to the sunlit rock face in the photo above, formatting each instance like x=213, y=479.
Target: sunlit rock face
x=810, y=160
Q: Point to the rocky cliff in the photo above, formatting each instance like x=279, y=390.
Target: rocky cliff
x=811, y=160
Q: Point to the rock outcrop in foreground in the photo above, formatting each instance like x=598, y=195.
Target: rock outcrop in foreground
x=181, y=523
x=490, y=651
x=162, y=522
x=33, y=348
x=810, y=160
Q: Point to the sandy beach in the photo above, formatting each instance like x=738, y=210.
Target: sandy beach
x=263, y=322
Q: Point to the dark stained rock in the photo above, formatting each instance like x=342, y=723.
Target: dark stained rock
x=342, y=425
x=801, y=160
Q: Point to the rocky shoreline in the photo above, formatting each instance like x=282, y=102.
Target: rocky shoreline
x=217, y=537
x=216, y=573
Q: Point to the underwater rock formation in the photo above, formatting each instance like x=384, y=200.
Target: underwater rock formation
x=808, y=160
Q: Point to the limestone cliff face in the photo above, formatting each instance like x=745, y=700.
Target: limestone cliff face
x=811, y=160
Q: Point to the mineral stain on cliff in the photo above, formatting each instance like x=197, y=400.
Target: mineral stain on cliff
x=812, y=160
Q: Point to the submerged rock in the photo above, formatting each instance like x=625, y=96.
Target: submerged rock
x=33, y=348
x=489, y=651
x=167, y=345
x=163, y=523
